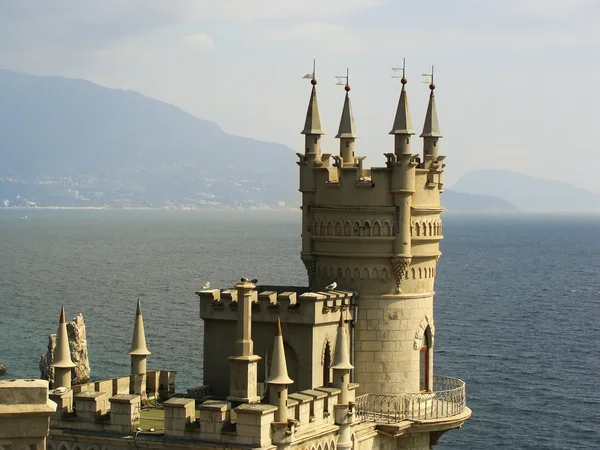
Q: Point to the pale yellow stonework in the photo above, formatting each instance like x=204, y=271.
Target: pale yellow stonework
x=345, y=362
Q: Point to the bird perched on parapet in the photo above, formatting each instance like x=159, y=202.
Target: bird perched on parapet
x=244, y=280
x=206, y=285
x=331, y=287
x=254, y=280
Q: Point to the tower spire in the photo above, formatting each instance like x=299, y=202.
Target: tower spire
x=312, y=124
x=431, y=127
x=347, y=129
x=341, y=361
x=139, y=353
x=402, y=122
x=278, y=378
x=138, y=341
x=62, y=356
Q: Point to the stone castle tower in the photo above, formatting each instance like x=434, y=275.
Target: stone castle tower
x=377, y=232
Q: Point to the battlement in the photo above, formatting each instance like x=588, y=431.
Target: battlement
x=109, y=405
x=293, y=304
x=206, y=420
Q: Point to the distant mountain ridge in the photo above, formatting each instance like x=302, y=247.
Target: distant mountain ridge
x=529, y=193
x=70, y=142
x=64, y=135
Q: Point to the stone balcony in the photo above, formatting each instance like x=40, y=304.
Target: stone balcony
x=447, y=400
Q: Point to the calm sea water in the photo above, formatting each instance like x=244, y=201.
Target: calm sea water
x=517, y=304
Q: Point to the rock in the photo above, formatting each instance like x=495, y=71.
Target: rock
x=2, y=368
x=79, y=353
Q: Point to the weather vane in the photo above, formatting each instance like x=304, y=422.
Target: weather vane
x=311, y=76
x=399, y=72
x=343, y=80
x=428, y=78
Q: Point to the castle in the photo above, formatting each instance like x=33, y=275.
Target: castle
x=349, y=366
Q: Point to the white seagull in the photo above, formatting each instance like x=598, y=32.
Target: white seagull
x=206, y=285
x=331, y=287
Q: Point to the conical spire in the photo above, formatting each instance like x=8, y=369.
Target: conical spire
x=347, y=127
x=341, y=360
x=312, y=125
x=402, y=122
x=62, y=354
x=279, y=374
x=431, y=128
x=138, y=342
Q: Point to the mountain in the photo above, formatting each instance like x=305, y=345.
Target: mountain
x=529, y=193
x=460, y=202
x=64, y=139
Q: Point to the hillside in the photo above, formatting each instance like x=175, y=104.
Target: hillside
x=64, y=138
x=460, y=202
x=529, y=193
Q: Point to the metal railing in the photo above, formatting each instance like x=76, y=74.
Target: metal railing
x=446, y=400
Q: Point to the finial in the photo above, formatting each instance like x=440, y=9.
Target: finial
x=138, y=311
x=62, y=315
x=279, y=333
x=431, y=85
x=313, y=81
x=347, y=87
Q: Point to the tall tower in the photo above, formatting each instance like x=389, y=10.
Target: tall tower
x=377, y=232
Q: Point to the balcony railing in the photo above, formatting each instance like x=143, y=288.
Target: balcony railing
x=447, y=399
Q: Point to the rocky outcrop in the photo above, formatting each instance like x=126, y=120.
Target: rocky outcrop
x=79, y=353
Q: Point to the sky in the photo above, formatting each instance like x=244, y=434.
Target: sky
x=517, y=80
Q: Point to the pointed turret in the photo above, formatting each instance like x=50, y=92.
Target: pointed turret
x=347, y=132
x=341, y=360
x=431, y=127
x=431, y=131
x=139, y=354
x=402, y=128
x=62, y=355
x=279, y=373
x=347, y=128
x=138, y=341
x=278, y=379
x=312, y=124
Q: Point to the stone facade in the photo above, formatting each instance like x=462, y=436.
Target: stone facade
x=25, y=411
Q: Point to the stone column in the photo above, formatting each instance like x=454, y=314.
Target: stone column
x=244, y=365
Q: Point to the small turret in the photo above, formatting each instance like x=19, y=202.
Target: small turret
x=62, y=355
x=138, y=341
x=431, y=130
x=347, y=131
x=278, y=378
x=139, y=353
x=312, y=125
x=402, y=128
x=341, y=362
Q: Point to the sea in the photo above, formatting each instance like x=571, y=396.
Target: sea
x=517, y=304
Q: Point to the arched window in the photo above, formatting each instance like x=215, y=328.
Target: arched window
x=424, y=361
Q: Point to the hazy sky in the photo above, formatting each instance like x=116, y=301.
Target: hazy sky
x=517, y=80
